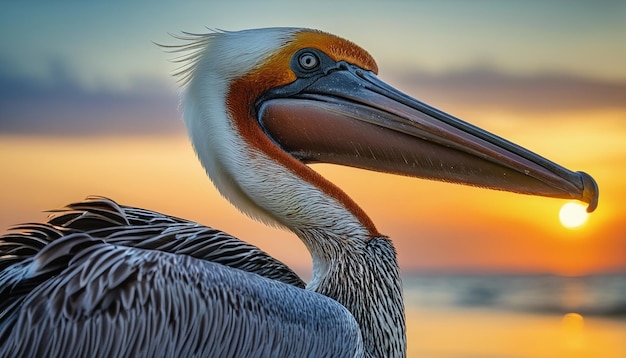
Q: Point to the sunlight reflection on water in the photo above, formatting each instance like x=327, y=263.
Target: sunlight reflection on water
x=533, y=316
x=573, y=331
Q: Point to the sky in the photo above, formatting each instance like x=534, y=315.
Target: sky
x=88, y=106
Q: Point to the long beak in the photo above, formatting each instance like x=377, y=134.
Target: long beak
x=350, y=117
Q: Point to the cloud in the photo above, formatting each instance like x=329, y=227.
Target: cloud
x=488, y=88
x=62, y=106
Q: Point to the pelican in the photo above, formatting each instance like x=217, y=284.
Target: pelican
x=101, y=279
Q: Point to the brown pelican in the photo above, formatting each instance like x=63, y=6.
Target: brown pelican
x=100, y=279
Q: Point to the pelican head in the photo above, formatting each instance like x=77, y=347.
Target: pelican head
x=260, y=104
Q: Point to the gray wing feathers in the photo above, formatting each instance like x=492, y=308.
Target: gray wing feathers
x=101, y=279
x=123, y=301
x=129, y=226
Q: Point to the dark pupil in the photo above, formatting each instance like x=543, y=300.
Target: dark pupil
x=308, y=61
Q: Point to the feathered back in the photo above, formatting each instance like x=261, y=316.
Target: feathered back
x=51, y=246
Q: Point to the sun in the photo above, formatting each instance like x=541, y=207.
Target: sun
x=573, y=215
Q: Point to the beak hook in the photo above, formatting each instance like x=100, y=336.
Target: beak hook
x=591, y=192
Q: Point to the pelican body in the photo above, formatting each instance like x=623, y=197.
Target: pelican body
x=101, y=279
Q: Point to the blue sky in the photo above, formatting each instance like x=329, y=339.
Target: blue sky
x=109, y=43
x=90, y=57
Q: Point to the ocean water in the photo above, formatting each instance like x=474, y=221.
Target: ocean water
x=516, y=316
x=596, y=295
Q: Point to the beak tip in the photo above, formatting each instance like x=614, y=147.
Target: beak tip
x=590, y=191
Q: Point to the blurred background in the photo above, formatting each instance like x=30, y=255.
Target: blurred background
x=88, y=106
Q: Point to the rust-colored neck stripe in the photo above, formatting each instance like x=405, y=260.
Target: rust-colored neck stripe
x=244, y=91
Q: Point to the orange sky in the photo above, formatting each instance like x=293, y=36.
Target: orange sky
x=89, y=108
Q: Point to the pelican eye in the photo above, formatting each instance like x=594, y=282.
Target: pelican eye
x=308, y=60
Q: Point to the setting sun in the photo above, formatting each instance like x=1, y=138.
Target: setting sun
x=573, y=215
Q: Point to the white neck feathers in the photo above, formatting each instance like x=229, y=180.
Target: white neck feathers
x=246, y=175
